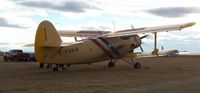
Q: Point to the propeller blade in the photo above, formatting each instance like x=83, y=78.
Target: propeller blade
x=144, y=36
x=141, y=48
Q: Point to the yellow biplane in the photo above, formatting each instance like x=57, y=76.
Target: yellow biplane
x=98, y=46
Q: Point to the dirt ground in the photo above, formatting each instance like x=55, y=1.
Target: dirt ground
x=153, y=77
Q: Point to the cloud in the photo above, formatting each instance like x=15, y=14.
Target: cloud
x=65, y=6
x=173, y=12
x=5, y=23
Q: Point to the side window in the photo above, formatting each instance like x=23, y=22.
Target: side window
x=115, y=44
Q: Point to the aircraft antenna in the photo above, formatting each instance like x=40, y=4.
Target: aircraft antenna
x=132, y=26
x=114, y=25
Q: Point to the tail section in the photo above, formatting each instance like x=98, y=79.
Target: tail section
x=46, y=36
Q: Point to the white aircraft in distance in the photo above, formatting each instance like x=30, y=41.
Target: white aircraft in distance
x=99, y=46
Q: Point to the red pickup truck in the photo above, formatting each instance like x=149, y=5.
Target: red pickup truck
x=17, y=55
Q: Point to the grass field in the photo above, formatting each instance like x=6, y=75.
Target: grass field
x=153, y=77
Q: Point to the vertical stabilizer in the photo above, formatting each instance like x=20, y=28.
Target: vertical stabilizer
x=46, y=35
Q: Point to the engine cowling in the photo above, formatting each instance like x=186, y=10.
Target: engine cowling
x=135, y=41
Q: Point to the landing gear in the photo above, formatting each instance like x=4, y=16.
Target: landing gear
x=135, y=65
x=112, y=63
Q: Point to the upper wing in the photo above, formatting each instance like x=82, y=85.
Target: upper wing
x=151, y=29
x=82, y=33
x=94, y=33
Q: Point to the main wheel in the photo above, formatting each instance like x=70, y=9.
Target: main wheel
x=111, y=64
x=137, y=65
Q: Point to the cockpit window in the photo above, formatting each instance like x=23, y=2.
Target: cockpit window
x=125, y=37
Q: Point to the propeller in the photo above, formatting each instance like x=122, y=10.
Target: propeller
x=142, y=38
x=141, y=48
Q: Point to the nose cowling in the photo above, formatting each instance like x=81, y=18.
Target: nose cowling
x=136, y=41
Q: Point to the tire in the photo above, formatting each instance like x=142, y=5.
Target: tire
x=137, y=65
x=111, y=64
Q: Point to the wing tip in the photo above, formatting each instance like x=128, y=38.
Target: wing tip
x=188, y=24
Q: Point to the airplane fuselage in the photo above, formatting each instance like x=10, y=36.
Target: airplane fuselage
x=92, y=50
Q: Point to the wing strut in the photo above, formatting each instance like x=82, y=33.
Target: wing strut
x=155, y=41
x=75, y=39
x=155, y=51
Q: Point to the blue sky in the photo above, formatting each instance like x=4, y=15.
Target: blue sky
x=19, y=19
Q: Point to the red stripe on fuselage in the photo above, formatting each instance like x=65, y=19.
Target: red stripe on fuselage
x=102, y=48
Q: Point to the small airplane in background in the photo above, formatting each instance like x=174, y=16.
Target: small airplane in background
x=98, y=46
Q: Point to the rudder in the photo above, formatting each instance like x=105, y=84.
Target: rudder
x=46, y=34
